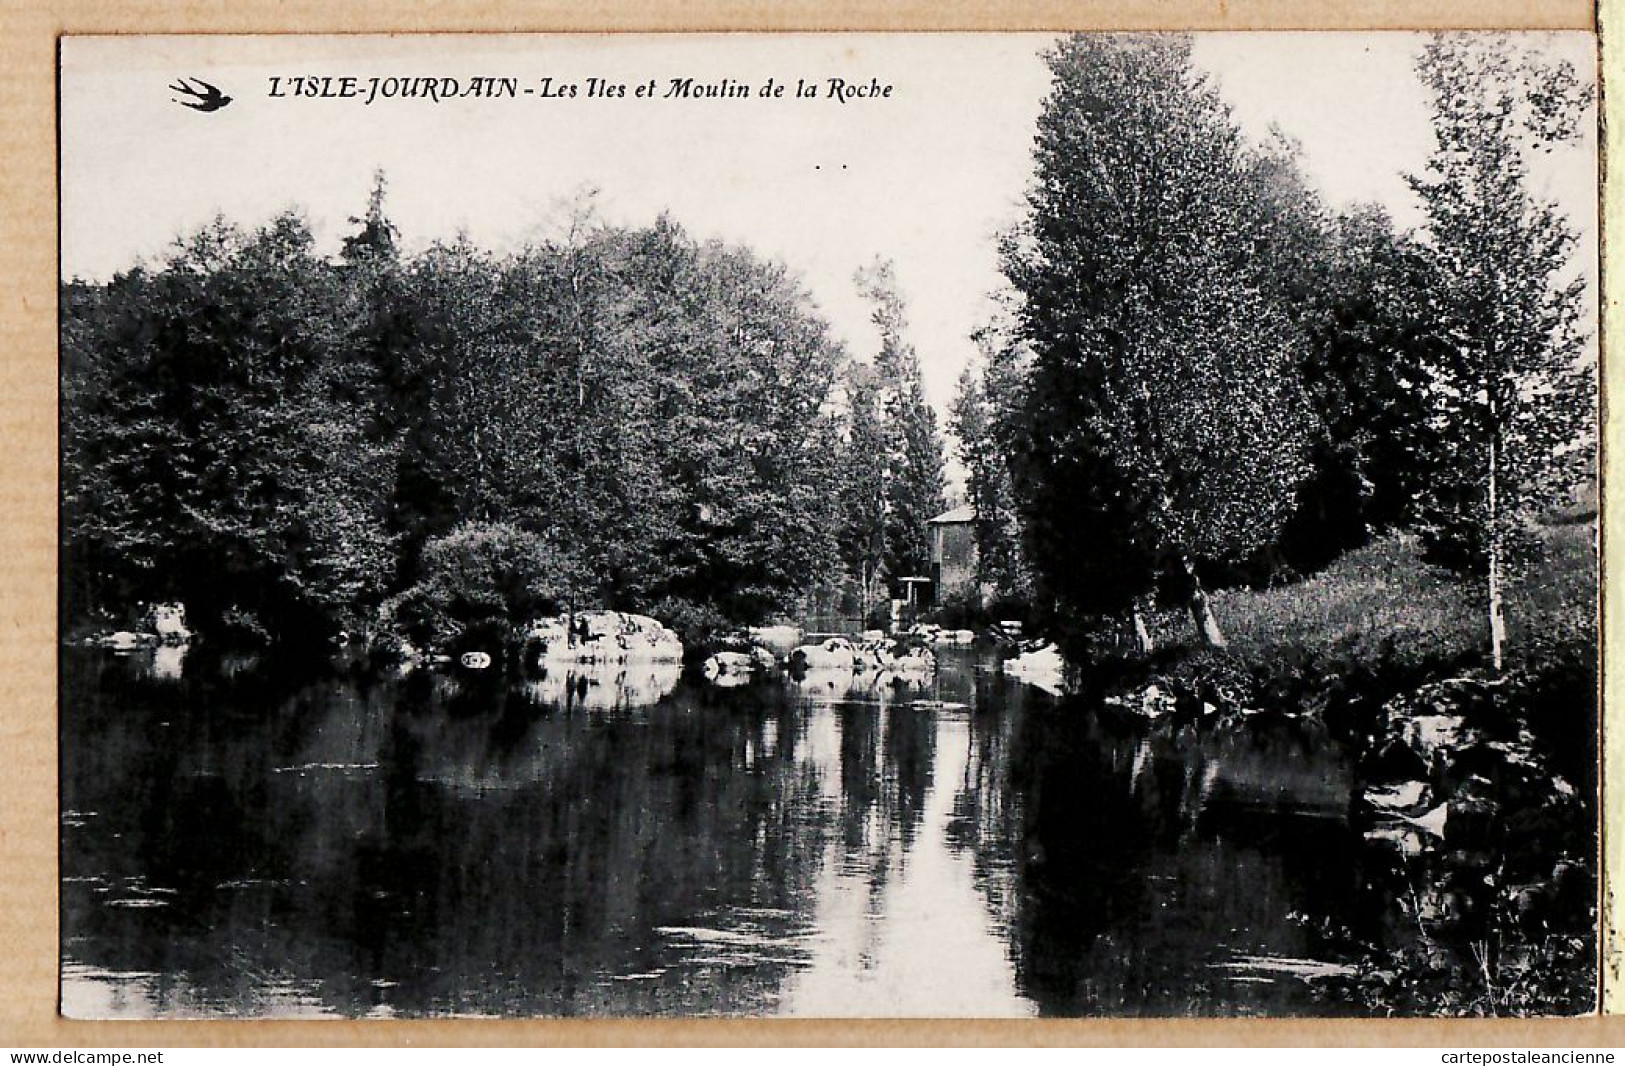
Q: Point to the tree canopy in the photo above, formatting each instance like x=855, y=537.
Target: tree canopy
x=624, y=416
x=1165, y=390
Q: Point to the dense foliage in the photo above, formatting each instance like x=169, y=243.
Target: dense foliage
x=1150, y=327
x=1221, y=381
x=217, y=443
x=615, y=417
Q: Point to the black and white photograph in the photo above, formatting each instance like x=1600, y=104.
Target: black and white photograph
x=956, y=525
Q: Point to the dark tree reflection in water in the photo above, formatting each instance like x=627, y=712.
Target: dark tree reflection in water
x=238, y=840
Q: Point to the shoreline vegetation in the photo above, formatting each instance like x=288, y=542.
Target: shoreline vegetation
x=1233, y=458
x=1476, y=790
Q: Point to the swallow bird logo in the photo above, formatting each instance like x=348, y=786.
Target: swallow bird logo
x=205, y=97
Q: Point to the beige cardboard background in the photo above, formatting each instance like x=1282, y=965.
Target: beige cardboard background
x=28, y=273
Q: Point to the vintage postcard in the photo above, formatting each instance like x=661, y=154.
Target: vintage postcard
x=954, y=525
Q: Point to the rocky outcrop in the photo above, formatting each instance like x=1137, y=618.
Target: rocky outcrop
x=1482, y=845
x=877, y=658
x=728, y=669
x=168, y=621
x=935, y=634
x=1451, y=763
x=161, y=624
x=1201, y=687
x=125, y=640
x=777, y=639
x=600, y=637
x=832, y=653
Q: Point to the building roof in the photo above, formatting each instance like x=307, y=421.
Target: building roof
x=966, y=513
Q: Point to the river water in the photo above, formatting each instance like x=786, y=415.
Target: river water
x=237, y=842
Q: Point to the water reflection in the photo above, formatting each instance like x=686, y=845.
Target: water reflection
x=604, y=686
x=905, y=930
x=168, y=661
x=636, y=842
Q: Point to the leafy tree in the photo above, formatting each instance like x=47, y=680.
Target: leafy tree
x=635, y=381
x=1160, y=354
x=376, y=239
x=1510, y=388
x=383, y=370
x=213, y=453
x=607, y=286
x=1361, y=295
x=748, y=449
x=480, y=578
x=1367, y=315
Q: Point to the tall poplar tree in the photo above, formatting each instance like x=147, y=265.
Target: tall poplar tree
x=862, y=485
x=913, y=458
x=1158, y=348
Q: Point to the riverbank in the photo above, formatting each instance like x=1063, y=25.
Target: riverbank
x=1464, y=804
x=1475, y=792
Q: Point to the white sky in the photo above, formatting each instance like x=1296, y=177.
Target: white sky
x=925, y=178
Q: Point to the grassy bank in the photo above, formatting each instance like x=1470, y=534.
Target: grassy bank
x=1383, y=602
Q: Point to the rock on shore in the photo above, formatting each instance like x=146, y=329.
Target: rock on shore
x=601, y=637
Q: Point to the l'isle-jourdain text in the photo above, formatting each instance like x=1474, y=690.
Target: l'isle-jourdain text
x=369, y=90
